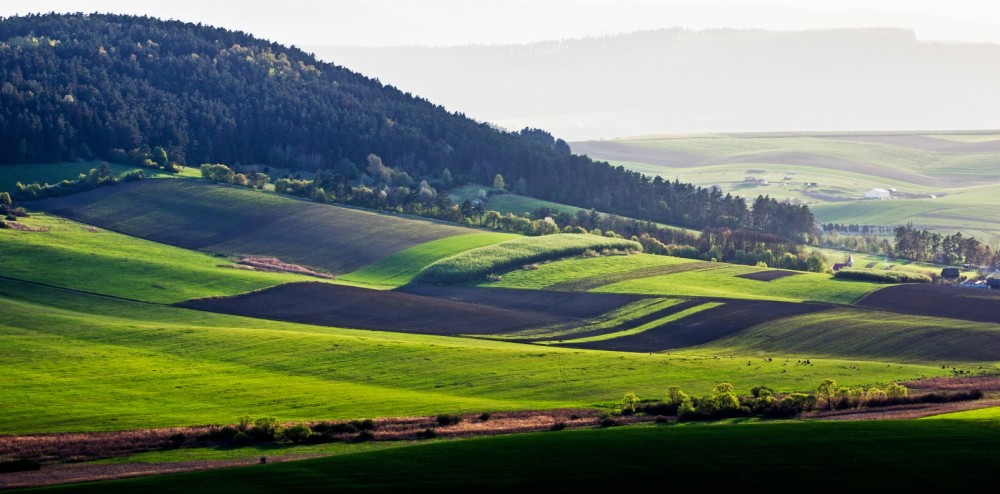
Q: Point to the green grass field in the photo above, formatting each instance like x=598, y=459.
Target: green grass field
x=820, y=456
x=874, y=335
x=400, y=268
x=72, y=255
x=197, y=215
x=77, y=362
x=588, y=270
x=959, y=169
x=476, y=263
x=708, y=280
x=725, y=282
x=880, y=262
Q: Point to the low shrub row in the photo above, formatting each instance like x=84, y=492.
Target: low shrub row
x=877, y=276
x=477, y=263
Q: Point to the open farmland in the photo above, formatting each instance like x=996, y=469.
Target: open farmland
x=958, y=169
x=400, y=268
x=937, y=301
x=72, y=255
x=350, y=307
x=869, y=334
x=793, y=453
x=640, y=274
x=78, y=362
x=584, y=273
x=197, y=215
x=477, y=263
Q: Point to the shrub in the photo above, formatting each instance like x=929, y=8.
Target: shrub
x=176, y=440
x=364, y=436
x=445, y=419
x=483, y=417
x=297, y=433
x=558, y=426
x=629, y=401
x=242, y=439
x=364, y=425
x=264, y=429
x=427, y=433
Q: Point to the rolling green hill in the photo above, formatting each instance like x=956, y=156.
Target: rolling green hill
x=238, y=221
x=78, y=362
x=958, y=169
x=71, y=255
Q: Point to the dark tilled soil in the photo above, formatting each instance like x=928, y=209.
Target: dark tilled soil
x=449, y=312
x=970, y=304
x=768, y=275
x=705, y=326
x=562, y=304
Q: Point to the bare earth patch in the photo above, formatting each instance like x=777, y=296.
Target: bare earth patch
x=277, y=265
x=17, y=225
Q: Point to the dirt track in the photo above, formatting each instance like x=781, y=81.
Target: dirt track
x=969, y=304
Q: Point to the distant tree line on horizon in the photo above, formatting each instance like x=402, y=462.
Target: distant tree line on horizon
x=123, y=88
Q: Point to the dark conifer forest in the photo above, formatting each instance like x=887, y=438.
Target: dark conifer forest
x=119, y=87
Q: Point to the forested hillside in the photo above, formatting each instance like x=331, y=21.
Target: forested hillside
x=119, y=87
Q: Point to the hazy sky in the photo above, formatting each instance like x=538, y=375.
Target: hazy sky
x=456, y=22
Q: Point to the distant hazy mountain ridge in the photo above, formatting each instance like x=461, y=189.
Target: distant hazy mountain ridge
x=696, y=81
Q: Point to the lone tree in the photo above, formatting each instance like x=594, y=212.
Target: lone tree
x=498, y=182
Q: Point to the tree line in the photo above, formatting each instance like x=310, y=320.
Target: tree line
x=925, y=245
x=120, y=87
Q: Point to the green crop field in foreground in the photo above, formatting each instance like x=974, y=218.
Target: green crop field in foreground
x=725, y=282
x=399, y=268
x=72, y=255
x=75, y=362
x=892, y=456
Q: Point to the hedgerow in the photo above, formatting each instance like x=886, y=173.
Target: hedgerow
x=881, y=276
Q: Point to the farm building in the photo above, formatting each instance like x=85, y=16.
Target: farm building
x=950, y=273
x=755, y=180
x=842, y=265
x=878, y=194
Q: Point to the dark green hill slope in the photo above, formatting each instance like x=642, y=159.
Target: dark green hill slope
x=107, y=86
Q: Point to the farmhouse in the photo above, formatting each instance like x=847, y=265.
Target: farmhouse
x=878, y=194
x=755, y=180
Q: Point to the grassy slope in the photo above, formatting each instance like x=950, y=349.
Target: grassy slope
x=79, y=362
x=197, y=215
x=720, y=281
x=863, y=260
x=819, y=456
x=580, y=268
x=965, y=182
x=477, y=263
x=869, y=334
x=77, y=256
x=724, y=282
x=399, y=268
